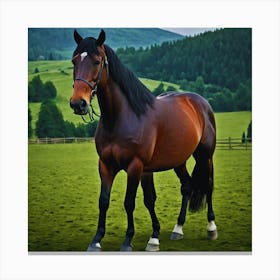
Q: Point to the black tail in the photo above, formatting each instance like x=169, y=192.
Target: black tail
x=201, y=184
x=197, y=200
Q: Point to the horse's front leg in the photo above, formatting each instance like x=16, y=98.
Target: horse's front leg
x=134, y=172
x=107, y=175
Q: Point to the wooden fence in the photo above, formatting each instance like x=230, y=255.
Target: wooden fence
x=221, y=144
x=233, y=144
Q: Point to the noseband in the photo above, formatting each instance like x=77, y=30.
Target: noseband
x=96, y=81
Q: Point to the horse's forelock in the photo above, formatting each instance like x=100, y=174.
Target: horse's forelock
x=87, y=45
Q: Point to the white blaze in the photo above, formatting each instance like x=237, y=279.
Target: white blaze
x=83, y=55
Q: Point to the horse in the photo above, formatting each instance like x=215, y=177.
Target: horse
x=142, y=134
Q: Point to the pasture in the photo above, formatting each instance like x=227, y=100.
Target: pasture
x=64, y=186
x=63, y=191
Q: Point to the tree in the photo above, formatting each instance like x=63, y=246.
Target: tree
x=31, y=93
x=69, y=129
x=159, y=89
x=50, y=90
x=243, y=97
x=243, y=138
x=249, y=132
x=183, y=84
x=50, y=122
x=37, y=90
x=171, y=88
x=199, y=85
x=30, y=132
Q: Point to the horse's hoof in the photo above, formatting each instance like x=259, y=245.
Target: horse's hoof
x=212, y=235
x=177, y=233
x=176, y=236
x=212, y=230
x=95, y=247
x=153, y=245
x=125, y=248
x=152, y=248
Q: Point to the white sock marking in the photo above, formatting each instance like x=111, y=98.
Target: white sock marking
x=178, y=229
x=153, y=241
x=211, y=226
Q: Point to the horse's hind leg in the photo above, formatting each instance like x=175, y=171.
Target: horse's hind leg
x=203, y=184
x=147, y=182
x=185, y=179
x=211, y=227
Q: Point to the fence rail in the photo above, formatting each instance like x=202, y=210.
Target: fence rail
x=221, y=144
x=60, y=140
x=233, y=144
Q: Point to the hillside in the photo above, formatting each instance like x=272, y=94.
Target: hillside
x=230, y=124
x=222, y=57
x=60, y=74
x=58, y=43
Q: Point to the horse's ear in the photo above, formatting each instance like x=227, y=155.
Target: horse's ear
x=78, y=38
x=101, y=38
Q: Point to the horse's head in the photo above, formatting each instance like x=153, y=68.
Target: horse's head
x=88, y=59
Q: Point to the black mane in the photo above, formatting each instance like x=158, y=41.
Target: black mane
x=137, y=94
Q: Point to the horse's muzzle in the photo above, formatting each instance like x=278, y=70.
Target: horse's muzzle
x=79, y=106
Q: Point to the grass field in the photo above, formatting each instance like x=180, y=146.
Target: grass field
x=63, y=193
x=63, y=189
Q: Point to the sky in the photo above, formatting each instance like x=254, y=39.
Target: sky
x=188, y=31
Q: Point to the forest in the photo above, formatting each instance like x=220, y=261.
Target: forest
x=222, y=57
x=216, y=64
x=58, y=43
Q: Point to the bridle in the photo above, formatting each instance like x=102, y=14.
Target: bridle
x=97, y=80
x=94, y=86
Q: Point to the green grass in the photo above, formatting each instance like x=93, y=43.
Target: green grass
x=63, y=191
x=232, y=124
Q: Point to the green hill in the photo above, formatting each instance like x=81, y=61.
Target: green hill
x=58, y=43
x=60, y=74
x=230, y=124
x=222, y=57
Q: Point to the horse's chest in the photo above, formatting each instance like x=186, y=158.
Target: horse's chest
x=116, y=155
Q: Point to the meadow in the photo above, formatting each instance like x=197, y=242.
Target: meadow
x=63, y=192
x=64, y=186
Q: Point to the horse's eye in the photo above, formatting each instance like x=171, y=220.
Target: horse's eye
x=96, y=62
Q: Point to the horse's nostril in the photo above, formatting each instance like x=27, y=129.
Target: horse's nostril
x=83, y=104
x=72, y=104
x=79, y=106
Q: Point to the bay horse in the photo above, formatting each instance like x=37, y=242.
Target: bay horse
x=142, y=134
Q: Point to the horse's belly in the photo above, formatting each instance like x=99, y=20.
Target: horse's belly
x=178, y=135
x=169, y=156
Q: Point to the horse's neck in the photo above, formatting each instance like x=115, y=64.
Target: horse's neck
x=110, y=102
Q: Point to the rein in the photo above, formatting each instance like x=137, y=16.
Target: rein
x=94, y=88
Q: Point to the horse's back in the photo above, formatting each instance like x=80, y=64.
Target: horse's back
x=191, y=101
